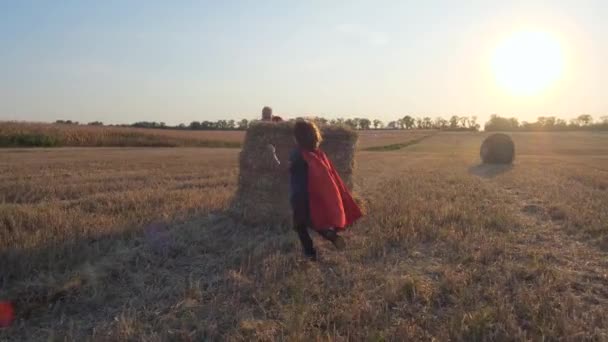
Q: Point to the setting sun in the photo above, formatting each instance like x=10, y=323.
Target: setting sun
x=528, y=62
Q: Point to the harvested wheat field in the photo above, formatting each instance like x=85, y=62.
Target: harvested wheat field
x=390, y=139
x=136, y=244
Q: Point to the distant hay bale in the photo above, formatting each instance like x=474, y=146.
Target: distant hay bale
x=262, y=197
x=498, y=149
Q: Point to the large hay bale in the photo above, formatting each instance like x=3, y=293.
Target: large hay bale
x=262, y=197
x=498, y=149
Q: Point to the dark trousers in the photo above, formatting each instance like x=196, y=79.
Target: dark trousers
x=307, y=245
x=301, y=222
x=306, y=240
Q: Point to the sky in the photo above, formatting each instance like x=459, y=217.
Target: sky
x=180, y=61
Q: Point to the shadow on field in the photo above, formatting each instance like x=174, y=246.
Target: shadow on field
x=109, y=281
x=489, y=170
x=34, y=279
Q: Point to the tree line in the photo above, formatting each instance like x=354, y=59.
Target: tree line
x=408, y=122
x=546, y=123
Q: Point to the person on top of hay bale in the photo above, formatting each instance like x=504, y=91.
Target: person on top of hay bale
x=319, y=199
x=267, y=115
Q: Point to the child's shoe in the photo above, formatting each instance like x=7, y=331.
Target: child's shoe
x=338, y=241
x=335, y=239
x=311, y=256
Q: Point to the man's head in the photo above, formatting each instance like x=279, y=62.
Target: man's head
x=266, y=113
x=307, y=135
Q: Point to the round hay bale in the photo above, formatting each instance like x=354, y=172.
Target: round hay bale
x=262, y=197
x=498, y=149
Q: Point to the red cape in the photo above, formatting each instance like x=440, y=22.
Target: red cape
x=331, y=204
x=7, y=314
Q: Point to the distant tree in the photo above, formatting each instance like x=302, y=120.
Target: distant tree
x=440, y=123
x=427, y=122
x=544, y=122
x=408, y=122
x=377, y=124
x=604, y=119
x=454, y=120
x=243, y=124
x=95, y=123
x=143, y=124
x=365, y=124
x=497, y=123
x=195, y=125
x=181, y=126
x=67, y=122
x=550, y=122
x=585, y=119
x=231, y=124
x=321, y=121
x=148, y=124
x=547, y=123
x=393, y=125
x=419, y=123
x=574, y=123
x=351, y=123
x=464, y=121
x=400, y=123
x=221, y=124
x=473, y=125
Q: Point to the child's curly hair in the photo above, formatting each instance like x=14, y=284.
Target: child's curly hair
x=307, y=135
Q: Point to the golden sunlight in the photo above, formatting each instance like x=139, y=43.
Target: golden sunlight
x=528, y=62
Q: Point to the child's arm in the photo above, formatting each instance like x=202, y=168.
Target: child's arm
x=273, y=153
x=274, y=160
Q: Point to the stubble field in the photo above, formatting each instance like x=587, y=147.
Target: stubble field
x=135, y=244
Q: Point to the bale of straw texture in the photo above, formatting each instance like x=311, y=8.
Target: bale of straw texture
x=498, y=149
x=262, y=197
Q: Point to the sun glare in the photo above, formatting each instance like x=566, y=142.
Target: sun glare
x=528, y=62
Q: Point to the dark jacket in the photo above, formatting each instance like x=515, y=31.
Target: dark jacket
x=298, y=187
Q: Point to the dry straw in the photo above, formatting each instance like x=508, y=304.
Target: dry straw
x=263, y=190
x=497, y=149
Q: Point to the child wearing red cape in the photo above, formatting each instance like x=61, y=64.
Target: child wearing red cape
x=319, y=199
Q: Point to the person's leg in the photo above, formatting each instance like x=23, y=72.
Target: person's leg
x=332, y=235
x=299, y=205
x=307, y=245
